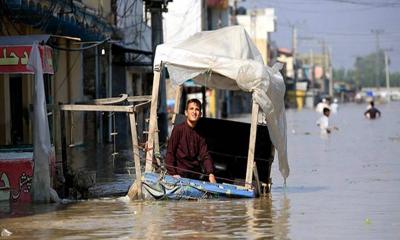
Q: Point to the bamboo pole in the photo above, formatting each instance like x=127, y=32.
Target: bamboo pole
x=252, y=145
x=153, y=119
x=136, y=157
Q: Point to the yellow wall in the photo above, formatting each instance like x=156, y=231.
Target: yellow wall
x=76, y=85
x=68, y=88
x=262, y=47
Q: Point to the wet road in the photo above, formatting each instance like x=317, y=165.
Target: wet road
x=343, y=187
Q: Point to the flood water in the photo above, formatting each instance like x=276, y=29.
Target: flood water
x=344, y=187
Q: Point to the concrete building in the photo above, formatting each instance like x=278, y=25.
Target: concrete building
x=99, y=49
x=259, y=23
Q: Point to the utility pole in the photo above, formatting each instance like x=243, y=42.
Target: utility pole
x=294, y=40
x=312, y=68
x=377, y=32
x=294, y=50
x=156, y=8
x=99, y=120
x=387, y=73
x=330, y=72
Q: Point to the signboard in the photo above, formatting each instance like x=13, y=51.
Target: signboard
x=16, y=179
x=16, y=175
x=13, y=59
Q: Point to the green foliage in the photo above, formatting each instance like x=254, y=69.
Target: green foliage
x=395, y=79
x=369, y=71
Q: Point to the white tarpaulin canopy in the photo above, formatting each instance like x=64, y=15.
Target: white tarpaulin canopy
x=227, y=59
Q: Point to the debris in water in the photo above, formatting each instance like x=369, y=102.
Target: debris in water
x=5, y=233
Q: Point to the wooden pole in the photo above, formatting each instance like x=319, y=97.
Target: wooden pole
x=252, y=145
x=136, y=157
x=64, y=155
x=258, y=183
x=153, y=119
x=98, y=108
x=178, y=96
x=157, y=145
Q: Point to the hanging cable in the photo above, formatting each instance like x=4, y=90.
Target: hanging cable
x=81, y=48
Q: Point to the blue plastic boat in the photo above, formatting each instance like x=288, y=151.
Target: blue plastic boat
x=167, y=187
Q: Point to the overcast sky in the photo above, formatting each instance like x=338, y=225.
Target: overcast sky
x=347, y=26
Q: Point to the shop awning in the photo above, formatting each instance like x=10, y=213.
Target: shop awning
x=132, y=57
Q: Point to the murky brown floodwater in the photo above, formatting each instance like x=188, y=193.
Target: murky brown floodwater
x=343, y=187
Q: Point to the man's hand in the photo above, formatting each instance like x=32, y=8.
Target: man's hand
x=176, y=176
x=211, y=178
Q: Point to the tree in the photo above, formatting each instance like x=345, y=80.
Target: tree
x=370, y=70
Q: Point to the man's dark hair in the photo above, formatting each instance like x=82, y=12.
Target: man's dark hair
x=326, y=110
x=372, y=103
x=193, y=100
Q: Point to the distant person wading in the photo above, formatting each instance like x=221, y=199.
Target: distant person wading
x=372, y=112
x=323, y=122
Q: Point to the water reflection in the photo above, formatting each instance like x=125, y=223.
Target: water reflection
x=121, y=218
x=252, y=219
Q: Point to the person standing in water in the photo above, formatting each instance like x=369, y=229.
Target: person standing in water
x=323, y=122
x=334, y=106
x=372, y=112
x=321, y=105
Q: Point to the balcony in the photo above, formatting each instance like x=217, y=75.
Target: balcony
x=60, y=17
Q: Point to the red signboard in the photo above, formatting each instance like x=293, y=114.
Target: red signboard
x=16, y=180
x=13, y=59
x=16, y=173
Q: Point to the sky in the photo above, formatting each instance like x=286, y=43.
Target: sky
x=348, y=27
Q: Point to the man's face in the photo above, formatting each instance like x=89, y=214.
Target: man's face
x=193, y=112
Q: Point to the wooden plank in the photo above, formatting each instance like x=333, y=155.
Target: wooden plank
x=157, y=146
x=153, y=120
x=140, y=106
x=136, y=157
x=98, y=108
x=257, y=178
x=139, y=98
x=178, y=96
x=112, y=100
x=252, y=144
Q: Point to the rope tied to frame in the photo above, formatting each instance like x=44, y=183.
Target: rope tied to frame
x=208, y=74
